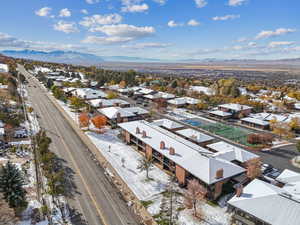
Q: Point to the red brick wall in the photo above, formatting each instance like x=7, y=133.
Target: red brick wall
x=148, y=152
x=180, y=174
x=127, y=137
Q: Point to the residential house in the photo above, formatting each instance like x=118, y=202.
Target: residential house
x=236, y=110
x=103, y=103
x=89, y=93
x=116, y=115
x=256, y=123
x=182, y=102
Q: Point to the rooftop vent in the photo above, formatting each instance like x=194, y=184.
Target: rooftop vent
x=137, y=130
x=144, y=134
x=171, y=151
x=219, y=173
x=162, y=145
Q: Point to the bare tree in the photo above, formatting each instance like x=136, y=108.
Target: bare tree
x=195, y=193
x=145, y=164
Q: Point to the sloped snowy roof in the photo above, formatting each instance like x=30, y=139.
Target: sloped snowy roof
x=169, y=124
x=268, y=203
x=255, y=121
x=112, y=112
x=189, y=156
x=88, y=93
x=3, y=67
x=107, y=102
x=235, y=107
x=205, y=90
x=183, y=101
x=231, y=152
x=220, y=113
x=195, y=135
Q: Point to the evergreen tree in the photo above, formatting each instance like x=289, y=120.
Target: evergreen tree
x=11, y=185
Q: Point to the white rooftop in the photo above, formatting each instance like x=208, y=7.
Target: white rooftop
x=195, y=135
x=268, y=203
x=183, y=101
x=166, y=123
x=235, y=107
x=88, y=93
x=189, y=156
x=231, y=152
x=205, y=90
x=255, y=121
x=107, y=102
x=220, y=113
x=3, y=67
x=112, y=112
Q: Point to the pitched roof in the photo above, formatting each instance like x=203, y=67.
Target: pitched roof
x=268, y=203
x=235, y=107
x=169, y=124
x=195, y=135
x=189, y=156
x=220, y=113
x=112, y=112
x=231, y=152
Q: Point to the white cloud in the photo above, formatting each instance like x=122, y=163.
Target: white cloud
x=252, y=44
x=200, y=3
x=66, y=27
x=161, y=2
x=226, y=17
x=96, y=20
x=242, y=39
x=92, y=1
x=193, y=23
x=275, y=44
x=135, y=8
x=43, y=12
x=236, y=2
x=84, y=11
x=9, y=41
x=147, y=45
x=172, y=23
x=125, y=30
x=277, y=32
x=65, y=13
x=119, y=33
x=105, y=40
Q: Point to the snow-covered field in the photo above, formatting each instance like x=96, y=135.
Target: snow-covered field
x=145, y=190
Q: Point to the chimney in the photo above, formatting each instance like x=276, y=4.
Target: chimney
x=162, y=145
x=219, y=173
x=119, y=119
x=144, y=134
x=239, y=190
x=171, y=151
x=100, y=105
x=137, y=130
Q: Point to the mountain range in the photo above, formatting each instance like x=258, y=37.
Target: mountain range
x=73, y=57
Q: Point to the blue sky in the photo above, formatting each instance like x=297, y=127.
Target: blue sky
x=166, y=29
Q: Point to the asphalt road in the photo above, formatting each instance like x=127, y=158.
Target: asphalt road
x=94, y=199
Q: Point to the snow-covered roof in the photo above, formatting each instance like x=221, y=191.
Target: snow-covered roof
x=255, y=121
x=107, y=102
x=2, y=124
x=112, y=112
x=188, y=155
x=292, y=181
x=235, y=107
x=195, y=135
x=166, y=123
x=88, y=93
x=3, y=67
x=268, y=203
x=230, y=152
x=220, y=113
x=68, y=89
x=2, y=131
x=205, y=90
x=183, y=101
x=160, y=95
x=3, y=86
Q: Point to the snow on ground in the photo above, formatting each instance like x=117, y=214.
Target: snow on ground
x=143, y=189
x=3, y=67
